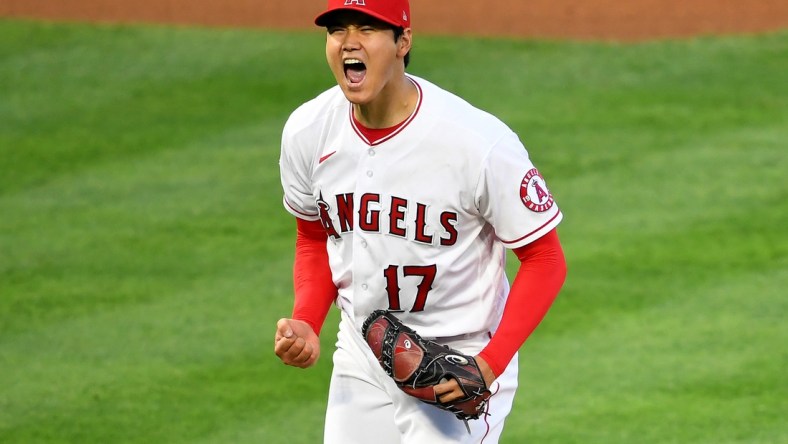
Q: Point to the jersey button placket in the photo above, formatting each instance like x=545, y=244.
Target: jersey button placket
x=371, y=154
x=361, y=252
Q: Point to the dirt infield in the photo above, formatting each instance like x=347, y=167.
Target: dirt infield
x=576, y=19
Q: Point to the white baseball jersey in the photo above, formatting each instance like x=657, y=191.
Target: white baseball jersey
x=418, y=222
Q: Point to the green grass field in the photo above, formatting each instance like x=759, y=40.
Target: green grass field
x=145, y=256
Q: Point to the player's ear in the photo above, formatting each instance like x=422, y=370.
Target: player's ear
x=404, y=42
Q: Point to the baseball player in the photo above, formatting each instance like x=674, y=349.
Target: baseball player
x=406, y=198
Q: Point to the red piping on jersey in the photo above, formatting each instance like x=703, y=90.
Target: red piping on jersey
x=299, y=212
x=399, y=127
x=532, y=233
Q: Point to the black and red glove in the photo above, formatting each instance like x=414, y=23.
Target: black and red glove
x=417, y=364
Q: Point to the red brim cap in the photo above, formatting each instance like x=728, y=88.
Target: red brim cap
x=393, y=12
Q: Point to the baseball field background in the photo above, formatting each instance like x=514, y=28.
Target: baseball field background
x=145, y=256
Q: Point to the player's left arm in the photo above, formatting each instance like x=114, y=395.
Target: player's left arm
x=539, y=279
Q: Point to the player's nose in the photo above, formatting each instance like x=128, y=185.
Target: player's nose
x=351, y=41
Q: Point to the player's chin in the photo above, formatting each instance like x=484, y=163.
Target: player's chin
x=357, y=96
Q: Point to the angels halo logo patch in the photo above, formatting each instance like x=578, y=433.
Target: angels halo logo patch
x=534, y=193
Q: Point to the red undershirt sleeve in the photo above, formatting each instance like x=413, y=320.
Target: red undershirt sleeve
x=541, y=274
x=312, y=283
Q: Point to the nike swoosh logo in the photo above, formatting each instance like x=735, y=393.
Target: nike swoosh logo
x=324, y=158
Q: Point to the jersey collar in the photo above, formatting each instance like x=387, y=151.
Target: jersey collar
x=376, y=137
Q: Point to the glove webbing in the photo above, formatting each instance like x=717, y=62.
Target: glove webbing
x=387, y=350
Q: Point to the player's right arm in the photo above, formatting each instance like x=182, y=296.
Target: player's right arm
x=296, y=340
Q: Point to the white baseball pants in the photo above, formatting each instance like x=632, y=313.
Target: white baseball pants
x=366, y=407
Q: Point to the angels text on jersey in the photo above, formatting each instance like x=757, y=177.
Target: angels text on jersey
x=397, y=216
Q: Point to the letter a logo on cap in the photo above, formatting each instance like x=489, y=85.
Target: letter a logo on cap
x=393, y=12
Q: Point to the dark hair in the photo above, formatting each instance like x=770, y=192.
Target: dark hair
x=398, y=31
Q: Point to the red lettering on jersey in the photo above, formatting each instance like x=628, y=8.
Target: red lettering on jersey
x=421, y=224
x=448, y=219
x=369, y=220
x=345, y=211
x=325, y=218
x=400, y=214
x=397, y=216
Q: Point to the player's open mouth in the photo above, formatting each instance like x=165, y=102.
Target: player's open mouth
x=355, y=71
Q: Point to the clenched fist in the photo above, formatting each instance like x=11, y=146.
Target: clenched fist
x=296, y=343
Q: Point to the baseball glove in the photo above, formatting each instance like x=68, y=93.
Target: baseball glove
x=417, y=364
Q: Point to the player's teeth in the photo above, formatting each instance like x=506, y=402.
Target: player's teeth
x=351, y=61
